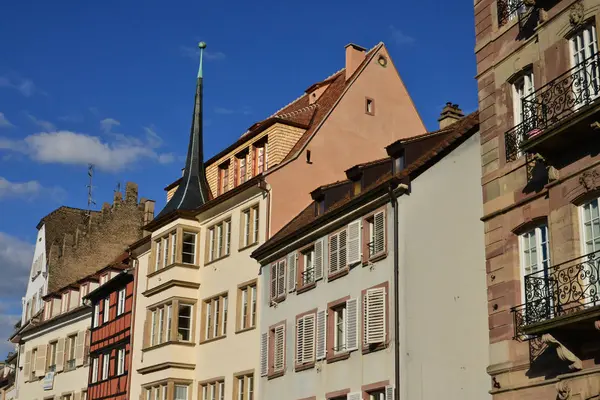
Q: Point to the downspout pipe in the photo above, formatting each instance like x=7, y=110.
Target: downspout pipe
x=394, y=203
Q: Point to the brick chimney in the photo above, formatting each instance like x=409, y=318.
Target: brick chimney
x=450, y=114
x=355, y=55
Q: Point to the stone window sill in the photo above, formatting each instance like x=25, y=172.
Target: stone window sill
x=246, y=247
x=338, y=357
x=206, y=264
x=245, y=329
x=213, y=339
x=304, y=367
x=306, y=288
x=372, y=348
x=174, y=342
x=173, y=265
x=274, y=375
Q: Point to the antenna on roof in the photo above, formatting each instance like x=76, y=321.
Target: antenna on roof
x=90, y=200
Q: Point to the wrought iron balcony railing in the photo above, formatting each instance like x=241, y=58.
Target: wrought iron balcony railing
x=559, y=290
x=560, y=98
x=508, y=10
x=308, y=276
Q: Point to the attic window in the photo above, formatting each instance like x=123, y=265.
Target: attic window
x=398, y=163
x=369, y=106
x=320, y=207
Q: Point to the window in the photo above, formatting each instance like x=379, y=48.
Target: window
x=94, y=370
x=247, y=306
x=166, y=247
x=522, y=88
x=376, y=234
x=250, y=223
x=70, y=355
x=590, y=217
x=51, y=357
x=215, y=317
x=103, y=279
x=106, y=310
x=375, y=316
x=305, y=339
x=83, y=291
x=337, y=252
x=105, y=365
x=224, y=177
x=241, y=161
x=277, y=338
x=307, y=273
x=584, y=45
x=508, y=10
x=181, y=392
x=158, y=255
x=121, y=302
x=184, y=323
x=160, y=319
x=121, y=361
x=96, y=320
x=188, y=253
x=369, y=106
x=244, y=387
x=260, y=157
x=173, y=247
x=219, y=240
x=31, y=375
x=278, y=280
x=156, y=392
x=339, y=328
x=67, y=396
x=213, y=390
x=535, y=259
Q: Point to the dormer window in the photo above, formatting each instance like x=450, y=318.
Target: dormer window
x=260, y=157
x=223, y=177
x=103, y=279
x=83, y=291
x=48, y=309
x=398, y=163
x=65, y=302
x=241, y=170
x=320, y=207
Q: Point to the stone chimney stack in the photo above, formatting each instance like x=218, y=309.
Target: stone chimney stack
x=450, y=114
x=355, y=55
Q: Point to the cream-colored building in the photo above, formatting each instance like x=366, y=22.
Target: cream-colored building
x=197, y=298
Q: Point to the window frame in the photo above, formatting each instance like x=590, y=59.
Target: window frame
x=168, y=248
x=51, y=360
x=121, y=299
x=218, y=240
x=271, y=371
x=120, y=361
x=218, y=330
x=247, y=380
x=369, y=348
x=247, y=303
x=584, y=239
x=249, y=226
x=302, y=268
x=170, y=328
x=368, y=237
x=106, y=310
x=300, y=365
x=213, y=388
x=223, y=181
x=70, y=349
x=94, y=370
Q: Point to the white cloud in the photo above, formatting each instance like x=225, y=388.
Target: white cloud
x=194, y=53
x=25, y=86
x=108, y=123
x=8, y=319
x=4, y=122
x=16, y=256
x=66, y=147
x=152, y=138
x=74, y=118
x=47, y=126
x=29, y=190
x=400, y=37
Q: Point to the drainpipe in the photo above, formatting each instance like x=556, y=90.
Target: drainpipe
x=394, y=203
x=262, y=185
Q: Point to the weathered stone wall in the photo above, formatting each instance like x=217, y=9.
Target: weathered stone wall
x=99, y=238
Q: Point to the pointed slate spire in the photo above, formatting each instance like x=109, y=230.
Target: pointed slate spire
x=193, y=190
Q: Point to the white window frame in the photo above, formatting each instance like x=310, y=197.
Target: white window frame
x=582, y=223
x=336, y=338
x=95, y=369
x=583, y=45
x=106, y=311
x=539, y=247
x=105, y=365
x=121, y=361
x=247, y=216
x=96, y=319
x=121, y=302
x=189, y=329
x=185, y=397
x=521, y=88
x=194, y=254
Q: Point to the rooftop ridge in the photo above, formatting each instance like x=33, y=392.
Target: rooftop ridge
x=298, y=111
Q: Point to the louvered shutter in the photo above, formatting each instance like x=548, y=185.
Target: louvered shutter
x=300, y=340
x=86, y=347
x=379, y=232
x=273, y=281
x=353, y=242
x=279, y=348
x=27, y=367
x=375, y=310
x=79, y=348
x=40, y=362
x=319, y=258
x=351, y=330
x=292, y=260
x=342, y=255
x=264, y=354
x=321, y=351
x=333, y=254
x=354, y=396
x=60, y=355
x=281, y=278
x=389, y=392
x=308, y=354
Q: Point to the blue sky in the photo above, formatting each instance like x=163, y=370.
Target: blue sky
x=113, y=82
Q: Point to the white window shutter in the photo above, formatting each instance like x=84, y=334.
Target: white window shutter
x=321, y=350
x=299, y=340
x=279, y=349
x=27, y=367
x=343, y=250
x=60, y=355
x=273, y=281
x=292, y=262
x=333, y=254
x=40, y=362
x=320, y=259
x=351, y=330
x=264, y=354
x=375, y=310
x=281, y=278
x=354, y=396
x=379, y=232
x=389, y=392
x=308, y=354
x=353, y=242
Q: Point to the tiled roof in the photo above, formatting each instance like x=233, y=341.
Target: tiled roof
x=446, y=140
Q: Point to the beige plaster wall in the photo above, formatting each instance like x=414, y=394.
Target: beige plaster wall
x=64, y=382
x=349, y=136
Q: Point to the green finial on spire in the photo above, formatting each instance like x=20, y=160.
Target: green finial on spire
x=202, y=46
